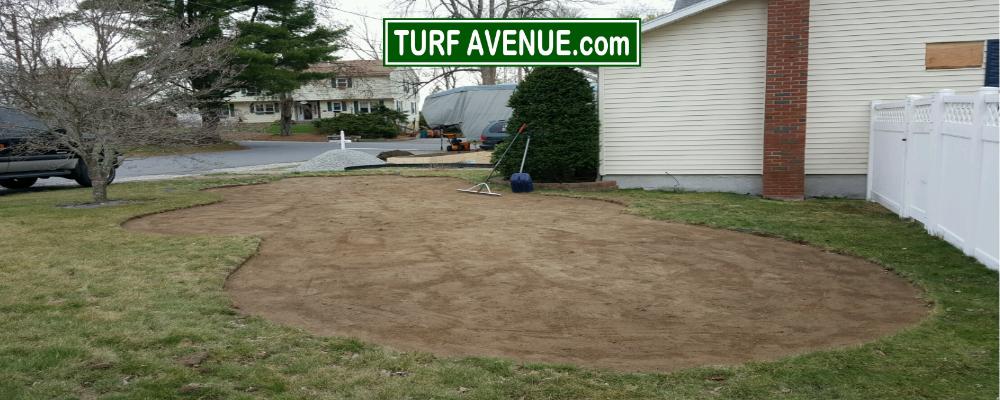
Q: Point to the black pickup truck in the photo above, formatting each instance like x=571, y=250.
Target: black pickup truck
x=21, y=169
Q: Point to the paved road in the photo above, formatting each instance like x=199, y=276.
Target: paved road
x=256, y=154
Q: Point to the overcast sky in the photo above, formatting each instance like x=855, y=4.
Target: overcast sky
x=362, y=15
x=369, y=13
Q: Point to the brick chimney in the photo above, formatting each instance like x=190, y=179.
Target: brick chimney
x=785, y=99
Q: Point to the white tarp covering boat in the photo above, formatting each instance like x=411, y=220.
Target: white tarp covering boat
x=470, y=107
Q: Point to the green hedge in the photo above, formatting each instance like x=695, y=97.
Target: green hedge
x=380, y=123
x=558, y=106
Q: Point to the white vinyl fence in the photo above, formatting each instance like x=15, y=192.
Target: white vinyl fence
x=935, y=159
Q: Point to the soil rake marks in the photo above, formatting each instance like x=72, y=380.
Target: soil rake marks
x=587, y=285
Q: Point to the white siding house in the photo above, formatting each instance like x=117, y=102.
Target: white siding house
x=357, y=87
x=695, y=108
x=692, y=116
x=860, y=52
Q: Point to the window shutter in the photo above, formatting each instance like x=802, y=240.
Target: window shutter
x=333, y=82
x=350, y=82
x=357, y=108
x=992, y=63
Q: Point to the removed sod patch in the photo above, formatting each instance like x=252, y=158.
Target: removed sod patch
x=88, y=309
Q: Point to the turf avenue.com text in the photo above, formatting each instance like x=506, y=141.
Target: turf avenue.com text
x=507, y=42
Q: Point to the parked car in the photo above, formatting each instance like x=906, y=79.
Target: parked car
x=19, y=169
x=495, y=132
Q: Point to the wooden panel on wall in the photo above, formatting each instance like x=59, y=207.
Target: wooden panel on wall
x=950, y=55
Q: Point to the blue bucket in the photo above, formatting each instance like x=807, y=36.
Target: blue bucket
x=521, y=183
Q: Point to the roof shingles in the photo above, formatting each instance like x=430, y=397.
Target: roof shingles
x=679, y=4
x=353, y=68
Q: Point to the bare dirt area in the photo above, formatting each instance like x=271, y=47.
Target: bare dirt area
x=412, y=264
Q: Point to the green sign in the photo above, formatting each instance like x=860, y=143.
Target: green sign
x=511, y=42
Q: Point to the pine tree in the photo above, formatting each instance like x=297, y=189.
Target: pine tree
x=276, y=41
x=212, y=16
x=278, y=45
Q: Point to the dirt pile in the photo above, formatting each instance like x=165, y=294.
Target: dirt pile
x=337, y=160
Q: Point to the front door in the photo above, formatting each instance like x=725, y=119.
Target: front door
x=307, y=112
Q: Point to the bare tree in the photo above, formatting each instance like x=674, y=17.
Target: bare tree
x=565, y=10
x=447, y=76
x=641, y=10
x=108, y=81
x=21, y=34
x=363, y=43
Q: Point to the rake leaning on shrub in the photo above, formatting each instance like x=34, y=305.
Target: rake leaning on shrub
x=484, y=186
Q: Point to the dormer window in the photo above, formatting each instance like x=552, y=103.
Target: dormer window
x=250, y=91
x=341, y=83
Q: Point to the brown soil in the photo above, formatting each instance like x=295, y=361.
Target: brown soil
x=412, y=264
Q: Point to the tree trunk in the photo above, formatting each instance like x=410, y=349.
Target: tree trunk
x=286, y=115
x=17, y=42
x=489, y=75
x=99, y=190
x=98, y=181
x=210, y=125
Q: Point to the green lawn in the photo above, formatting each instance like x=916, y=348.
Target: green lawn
x=301, y=128
x=88, y=310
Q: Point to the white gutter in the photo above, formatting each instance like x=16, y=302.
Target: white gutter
x=682, y=13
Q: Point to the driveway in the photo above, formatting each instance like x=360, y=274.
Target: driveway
x=257, y=155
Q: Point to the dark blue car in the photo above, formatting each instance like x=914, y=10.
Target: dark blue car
x=495, y=132
x=21, y=169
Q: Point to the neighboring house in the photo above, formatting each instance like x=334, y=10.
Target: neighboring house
x=358, y=86
x=772, y=97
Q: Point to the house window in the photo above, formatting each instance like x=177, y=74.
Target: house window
x=364, y=107
x=413, y=107
x=953, y=55
x=399, y=106
x=250, y=91
x=229, y=110
x=263, y=108
x=334, y=106
x=341, y=83
x=992, y=63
